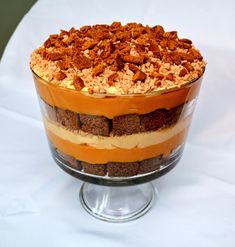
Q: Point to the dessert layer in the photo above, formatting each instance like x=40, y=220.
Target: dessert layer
x=117, y=59
x=138, y=140
x=101, y=156
x=120, y=169
x=113, y=106
x=120, y=125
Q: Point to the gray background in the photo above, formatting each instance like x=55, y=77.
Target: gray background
x=11, y=12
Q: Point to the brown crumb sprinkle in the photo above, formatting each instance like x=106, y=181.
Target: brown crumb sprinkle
x=139, y=76
x=82, y=62
x=170, y=77
x=188, y=66
x=60, y=76
x=100, y=56
x=98, y=69
x=90, y=90
x=133, y=59
x=112, y=78
x=183, y=72
x=78, y=83
x=133, y=68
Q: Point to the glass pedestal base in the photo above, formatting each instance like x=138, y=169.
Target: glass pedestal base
x=118, y=199
x=117, y=204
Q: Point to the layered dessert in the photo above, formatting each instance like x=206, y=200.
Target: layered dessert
x=117, y=100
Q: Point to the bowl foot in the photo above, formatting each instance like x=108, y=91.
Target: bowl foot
x=117, y=204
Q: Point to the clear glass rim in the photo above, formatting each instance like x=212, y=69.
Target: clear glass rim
x=151, y=93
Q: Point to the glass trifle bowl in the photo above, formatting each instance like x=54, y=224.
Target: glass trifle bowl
x=118, y=120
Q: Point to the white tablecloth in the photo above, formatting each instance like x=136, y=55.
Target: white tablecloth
x=196, y=207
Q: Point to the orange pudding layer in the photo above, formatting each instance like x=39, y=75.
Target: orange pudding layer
x=101, y=156
x=111, y=106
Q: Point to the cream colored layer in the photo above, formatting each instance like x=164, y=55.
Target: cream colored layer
x=139, y=140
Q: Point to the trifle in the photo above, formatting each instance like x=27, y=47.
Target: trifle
x=117, y=102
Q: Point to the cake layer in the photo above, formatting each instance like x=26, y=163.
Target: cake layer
x=111, y=106
x=101, y=156
x=138, y=140
x=114, y=169
x=119, y=169
x=119, y=125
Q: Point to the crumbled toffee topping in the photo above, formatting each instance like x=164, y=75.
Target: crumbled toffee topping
x=117, y=59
